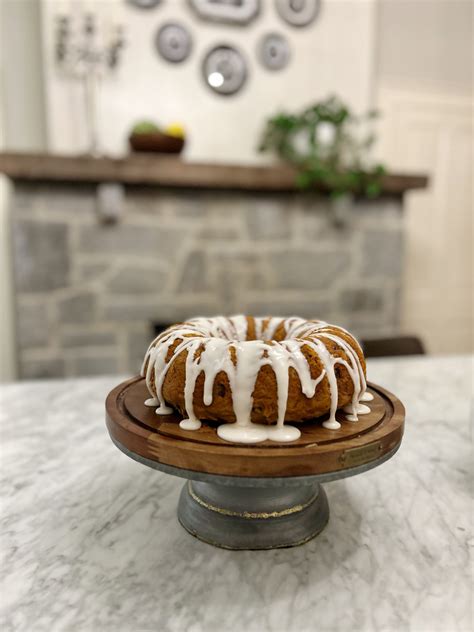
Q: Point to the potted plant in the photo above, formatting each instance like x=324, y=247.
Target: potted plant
x=324, y=143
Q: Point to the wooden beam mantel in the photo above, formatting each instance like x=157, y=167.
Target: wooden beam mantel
x=166, y=171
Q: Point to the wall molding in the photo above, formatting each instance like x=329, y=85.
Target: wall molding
x=432, y=131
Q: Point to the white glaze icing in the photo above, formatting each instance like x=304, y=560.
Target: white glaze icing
x=361, y=409
x=209, y=344
x=190, y=424
x=152, y=402
x=366, y=397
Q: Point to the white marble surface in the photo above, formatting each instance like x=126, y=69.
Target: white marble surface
x=90, y=540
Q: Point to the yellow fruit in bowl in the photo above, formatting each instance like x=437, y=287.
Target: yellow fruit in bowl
x=176, y=130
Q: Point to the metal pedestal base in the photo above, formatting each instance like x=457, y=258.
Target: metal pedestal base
x=279, y=502
x=236, y=512
x=264, y=517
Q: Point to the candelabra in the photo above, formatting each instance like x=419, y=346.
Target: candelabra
x=88, y=53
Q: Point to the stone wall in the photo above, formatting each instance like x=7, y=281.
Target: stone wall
x=87, y=293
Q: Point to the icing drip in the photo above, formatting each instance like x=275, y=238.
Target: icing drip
x=361, y=409
x=242, y=382
x=251, y=356
x=366, y=397
x=190, y=424
x=210, y=344
x=270, y=327
x=355, y=371
x=151, y=401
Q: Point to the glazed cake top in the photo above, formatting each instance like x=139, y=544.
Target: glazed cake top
x=215, y=337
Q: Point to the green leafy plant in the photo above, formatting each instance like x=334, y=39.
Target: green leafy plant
x=145, y=127
x=325, y=145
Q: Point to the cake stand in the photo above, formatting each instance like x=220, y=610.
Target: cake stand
x=262, y=496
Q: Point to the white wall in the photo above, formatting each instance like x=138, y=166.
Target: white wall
x=22, y=75
x=426, y=44
x=424, y=89
x=22, y=127
x=333, y=55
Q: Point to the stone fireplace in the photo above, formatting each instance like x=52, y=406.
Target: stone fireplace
x=87, y=293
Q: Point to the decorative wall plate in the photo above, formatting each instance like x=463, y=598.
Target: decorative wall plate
x=274, y=51
x=232, y=11
x=298, y=12
x=173, y=42
x=224, y=70
x=144, y=4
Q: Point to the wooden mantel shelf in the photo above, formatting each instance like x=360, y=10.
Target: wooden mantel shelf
x=148, y=169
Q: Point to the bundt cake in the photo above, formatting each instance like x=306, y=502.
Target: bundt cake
x=255, y=374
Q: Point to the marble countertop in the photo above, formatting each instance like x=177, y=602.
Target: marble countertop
x=90, y=540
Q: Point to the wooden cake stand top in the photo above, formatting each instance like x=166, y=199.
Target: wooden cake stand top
x=145, y=435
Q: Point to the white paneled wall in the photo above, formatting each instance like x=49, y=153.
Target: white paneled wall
x=432, y=133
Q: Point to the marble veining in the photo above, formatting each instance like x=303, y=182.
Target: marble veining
x=90, y=540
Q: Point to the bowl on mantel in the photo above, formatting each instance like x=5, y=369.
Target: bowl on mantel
x=156, y=142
